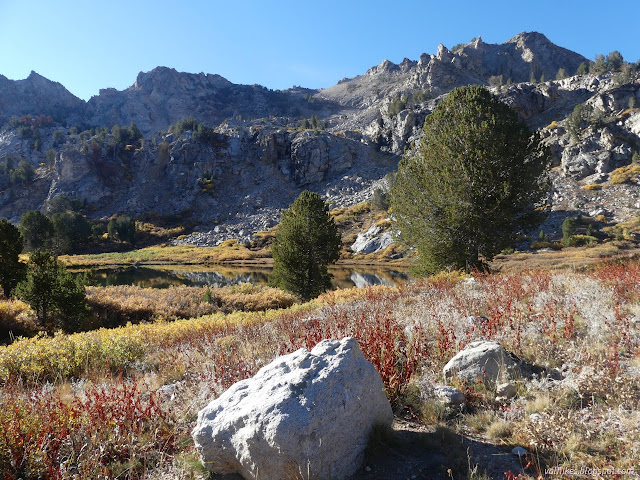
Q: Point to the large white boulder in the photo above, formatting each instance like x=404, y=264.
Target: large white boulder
x=306, y=413
x=484, y=360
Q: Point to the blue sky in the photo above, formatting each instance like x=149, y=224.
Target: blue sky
x=88, y=45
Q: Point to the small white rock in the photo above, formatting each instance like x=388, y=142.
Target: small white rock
x=536, y=417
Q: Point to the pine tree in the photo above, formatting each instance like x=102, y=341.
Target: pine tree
x=471, y=185
x=306, y=243
x=123, y=228
x=36, y=230
x=583, y=69
x=52, y=292
x=11, y=269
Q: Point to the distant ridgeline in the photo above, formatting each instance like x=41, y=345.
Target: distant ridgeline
x=233, y=156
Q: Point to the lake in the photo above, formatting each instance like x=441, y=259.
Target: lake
x=164, y=276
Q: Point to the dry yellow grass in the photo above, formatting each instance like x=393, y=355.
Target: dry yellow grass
x=118, y=305
x=16, y=319
x=631, y=226
x=569, y=258
x=228, y=251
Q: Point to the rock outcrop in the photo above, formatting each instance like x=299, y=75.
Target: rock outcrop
x=306, y=413
x=373, y=240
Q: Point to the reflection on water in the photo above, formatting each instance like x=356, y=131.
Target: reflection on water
x=165, y=276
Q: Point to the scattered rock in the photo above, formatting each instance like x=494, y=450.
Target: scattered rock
x=452, y=398
x=506, y=391
x=308, y=412
x=536, y=417
x=485, y=360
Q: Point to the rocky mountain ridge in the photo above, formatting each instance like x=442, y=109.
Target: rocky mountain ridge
x=261, y=149
x=37, y=95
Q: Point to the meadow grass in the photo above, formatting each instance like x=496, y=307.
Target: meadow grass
x=228, y=251
x=158, y=375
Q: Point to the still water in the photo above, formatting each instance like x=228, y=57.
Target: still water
x=220, y=276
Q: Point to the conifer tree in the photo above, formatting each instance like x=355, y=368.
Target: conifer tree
x=473, y=182
x=11, y=269
x=306, y=243
x=58, y=299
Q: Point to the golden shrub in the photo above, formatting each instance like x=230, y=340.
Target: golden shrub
x=17, y=319
x=624, y=174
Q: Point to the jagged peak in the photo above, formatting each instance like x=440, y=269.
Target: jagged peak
x=443, y=52
x=385, y=66
x=45, y=85
x=529, y=37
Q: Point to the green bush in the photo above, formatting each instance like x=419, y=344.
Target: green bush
x=36, y=230
x=313, y=123
x=582, y=113
x=57, y=298
x=581, y=240
x=206, y=183
x=71, y=231
x=445, y=195
x=63, y=203
x=583, y=69
x=122, y=228
x=380, y=199
x=58, y=137
x=397, y=105
x=185, y=125
x=14, y=175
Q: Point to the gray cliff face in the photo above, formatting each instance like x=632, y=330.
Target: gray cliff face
x=242, y=180
x=261, y=157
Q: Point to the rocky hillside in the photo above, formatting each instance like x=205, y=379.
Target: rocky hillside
x=36, y=95
x=256, y=149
